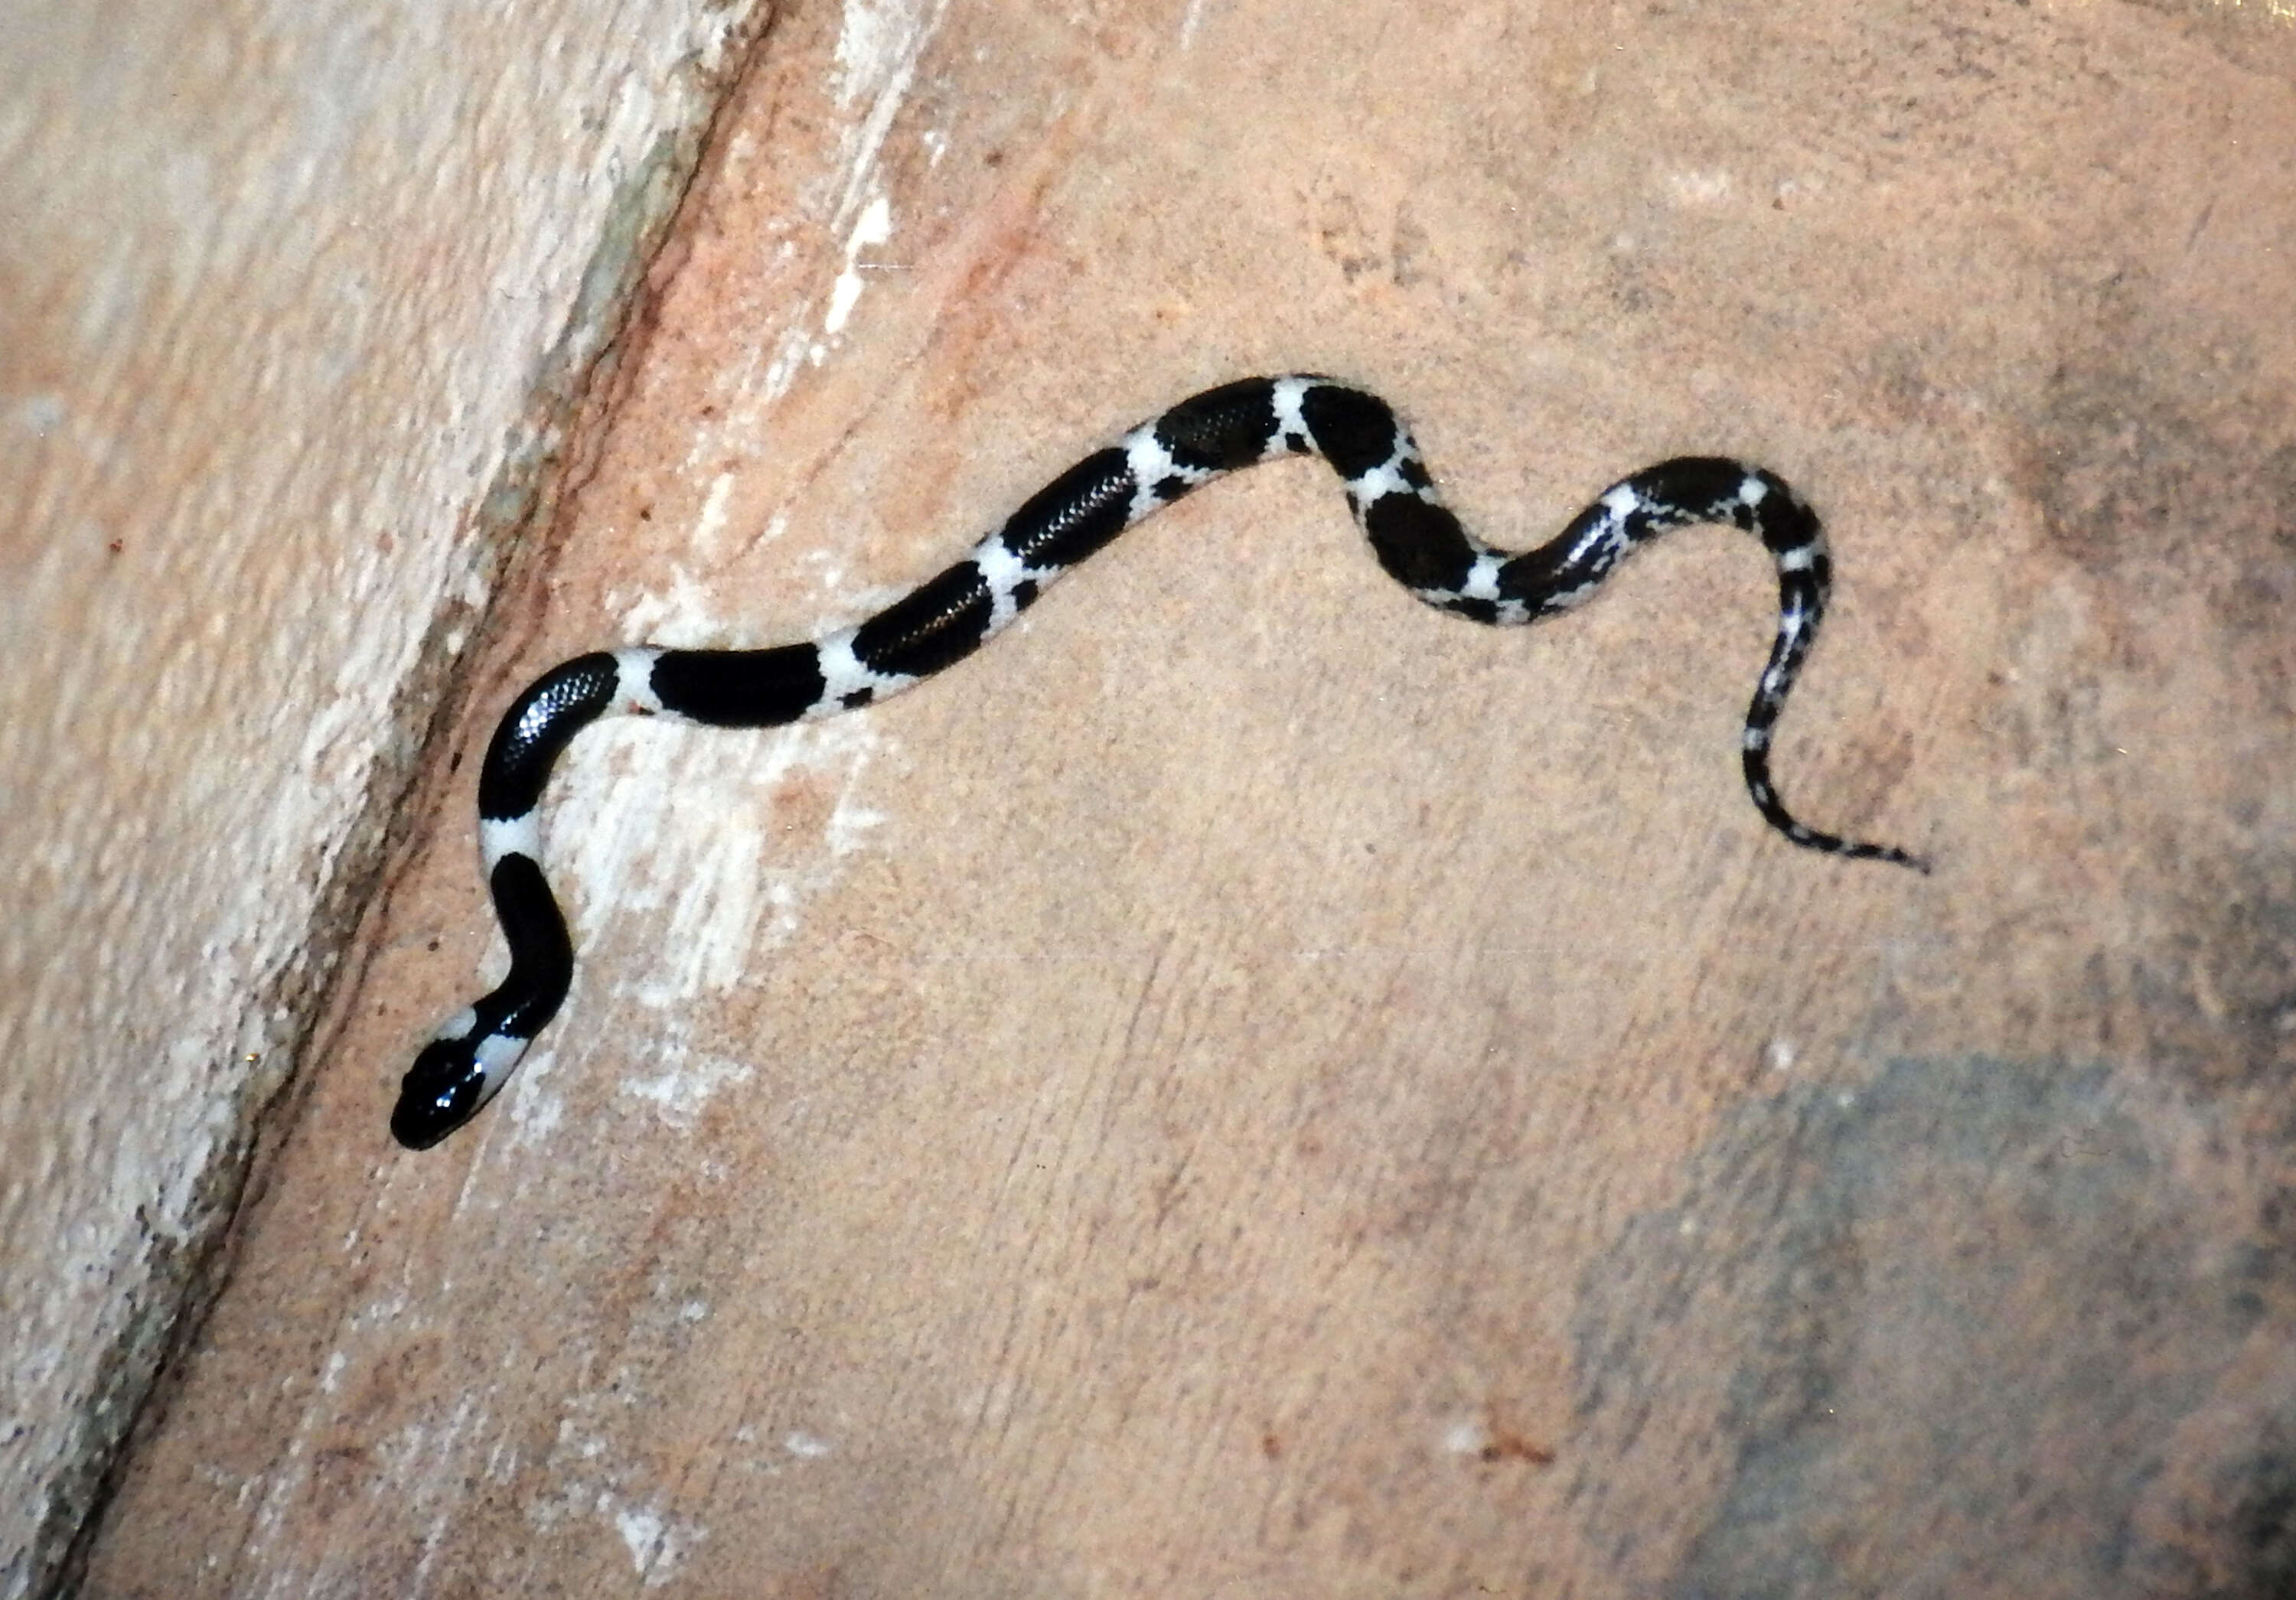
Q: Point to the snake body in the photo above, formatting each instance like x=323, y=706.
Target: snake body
x=1421, y=545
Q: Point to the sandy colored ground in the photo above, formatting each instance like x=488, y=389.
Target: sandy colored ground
x=1249, y=1088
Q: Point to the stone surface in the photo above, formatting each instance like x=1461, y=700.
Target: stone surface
x=1250, y=1087
x=284, y=290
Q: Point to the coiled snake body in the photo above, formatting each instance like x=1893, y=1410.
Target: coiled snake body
x=1421, y=545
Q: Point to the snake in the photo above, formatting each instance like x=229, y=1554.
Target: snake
x=1419, y=542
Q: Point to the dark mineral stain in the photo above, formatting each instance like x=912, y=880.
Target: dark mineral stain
x=1979, y=1328
x=2169, y=444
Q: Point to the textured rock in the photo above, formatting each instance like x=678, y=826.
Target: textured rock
x=1248, y=1087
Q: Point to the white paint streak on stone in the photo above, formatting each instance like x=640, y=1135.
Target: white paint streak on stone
x=711, y=523
x=878, y=45
x=874, y=227
x=641, y=1528
x=689, y=1081
x=677, y=866
x=674, y=609
x=657, y=1542
x=878, y=49
x=671, y=835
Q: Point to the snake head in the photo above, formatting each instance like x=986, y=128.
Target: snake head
x=453, y=1076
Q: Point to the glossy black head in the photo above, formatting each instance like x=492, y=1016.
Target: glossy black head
x=441, y=1091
